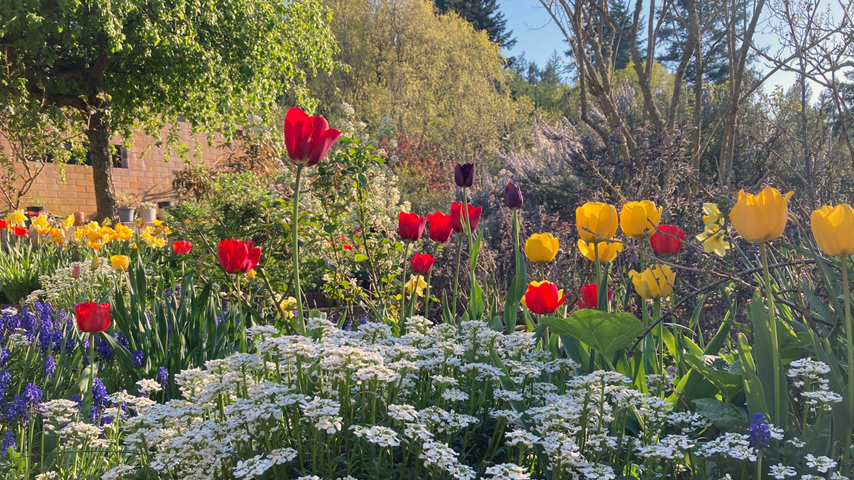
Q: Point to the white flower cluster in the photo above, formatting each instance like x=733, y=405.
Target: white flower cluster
x=62, y=288
x=301, y=401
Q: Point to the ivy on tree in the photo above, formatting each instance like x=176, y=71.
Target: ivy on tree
x=129, y=64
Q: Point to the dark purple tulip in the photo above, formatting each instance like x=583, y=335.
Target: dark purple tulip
x=464, y=175
x=513, y=196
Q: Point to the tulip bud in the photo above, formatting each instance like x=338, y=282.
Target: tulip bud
x=250, y=274
x=75, y=272
x=96, y=262
x=464, y=175
x=513, y=196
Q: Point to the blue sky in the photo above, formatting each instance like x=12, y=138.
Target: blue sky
x=538, y=37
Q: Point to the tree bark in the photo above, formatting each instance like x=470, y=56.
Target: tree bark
x=101, y=155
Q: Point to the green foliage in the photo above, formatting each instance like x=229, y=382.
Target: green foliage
x=602, y=331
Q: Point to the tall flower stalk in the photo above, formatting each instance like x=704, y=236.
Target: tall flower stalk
x=307, y=140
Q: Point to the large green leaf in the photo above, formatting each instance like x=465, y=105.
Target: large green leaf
x=604, y=332
x=729, y=384
x=725, y=416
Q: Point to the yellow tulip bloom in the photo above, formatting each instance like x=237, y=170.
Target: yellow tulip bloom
x=607, y=250
x=713, y=241
x=639, y=219
x=417, y=283
x=120, y=262
x=833, y=228
x=596, y=221
x=654, y=282
x=761, y=217
x=541, y=247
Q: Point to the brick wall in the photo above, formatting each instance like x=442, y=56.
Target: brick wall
x=147, y=175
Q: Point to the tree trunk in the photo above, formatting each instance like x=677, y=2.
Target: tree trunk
x=101, y=154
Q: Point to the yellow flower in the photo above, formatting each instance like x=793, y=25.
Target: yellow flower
x=123, y=232
x=713, y=240
x=712, y=215
x=251, y=274
x=96, y=263
x=654, y=282
x=288, y=305
x=639, y=219
x=18, y=218
x=596, y=221
x=541, y=247
x=607, y=250
x=41, y=224
x=761, y=217
x=417, y=283
x=68, y=222
x=120, y=262
x=833, y=228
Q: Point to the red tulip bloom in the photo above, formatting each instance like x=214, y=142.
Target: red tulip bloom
x=92, y=317
x=182, y=247
x=456, y=214
x=513, y=196
x=237, y=256
x=590, y=296
x=440, y=227
x=667, y=240
x=543, y=297
x=75, y=272
x=410, y=226
x=349, y=248
x=3, y=224
x=20, y=231
x=308, y=139
x=421, y=264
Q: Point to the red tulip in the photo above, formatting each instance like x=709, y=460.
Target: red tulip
x=422, y=263
x=410, y=226
x=456, y=213
x=440, y=227
x=75, y=272
x=349, y=248
x=3, y=224
x=667, y=240
x=182, y=247
x=543, y=297
x=590, y=296
x=20, y=231
x=92, y=317
x=237, y=256
x=308, y=139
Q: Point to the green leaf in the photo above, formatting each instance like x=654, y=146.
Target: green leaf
x=728, y=383
x=725, y=416
x=604, y=332
x=360, y=257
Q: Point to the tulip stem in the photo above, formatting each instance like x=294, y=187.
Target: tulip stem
x=427, y=295
x=295, y=253
x=403, y=287
x=777, y=410
x=656, y=312
x=457, y=279
x=849, y=334
x=89, y=394
x=598, y=273
x=542, y=272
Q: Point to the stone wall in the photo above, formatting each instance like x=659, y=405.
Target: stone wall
x=146, y=174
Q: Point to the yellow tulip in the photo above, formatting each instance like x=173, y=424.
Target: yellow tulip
x=251, y=274
x=417, y=283
x=761, y=217
x=120, y=262
x=541, y=247
x=596, y=221
x=833, y=228
x=607, y=250
x=654, y=282
x=96, y=263
x=639, y=219
x=713, y=240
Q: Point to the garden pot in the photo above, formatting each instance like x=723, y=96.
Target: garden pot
x=79, y=219
x=126, y=215
x=147, y=215
x=163, y=209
